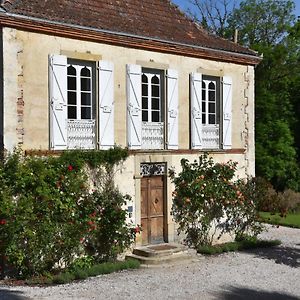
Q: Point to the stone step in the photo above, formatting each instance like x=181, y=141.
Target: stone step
x=154, y=255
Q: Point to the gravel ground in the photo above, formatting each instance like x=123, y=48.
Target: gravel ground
x=272, y=273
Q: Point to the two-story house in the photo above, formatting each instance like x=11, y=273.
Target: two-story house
x=140, y=74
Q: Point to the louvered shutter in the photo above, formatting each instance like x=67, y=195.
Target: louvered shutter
x=106, y=105
x=172, y=99
x=227, y=112
x=58, y=101
x=134, y=109
x=196, y=110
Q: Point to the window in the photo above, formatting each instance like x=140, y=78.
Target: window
x=152, y=110
x=152, y=105
x=81, y=107
x=81, y=131
x=210, y=112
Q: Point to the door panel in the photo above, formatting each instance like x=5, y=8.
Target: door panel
x=152, y=209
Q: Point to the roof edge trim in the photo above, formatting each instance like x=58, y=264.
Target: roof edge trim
x=254, y=56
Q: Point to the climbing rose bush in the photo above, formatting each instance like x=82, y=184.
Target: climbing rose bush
x=208, y=203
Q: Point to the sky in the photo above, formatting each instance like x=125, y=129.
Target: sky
x=184, y=4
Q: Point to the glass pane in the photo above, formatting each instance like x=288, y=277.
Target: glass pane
x=211, y=86
x=155, y=90
x=145, y=116
x=203, y=85
x=212, y=107
x=72, y=112
x=86, y=98
x=155, y=80
x=212, y=95
x=86, y=113
x=144, y=90
x=203, y=95
x=155, y=116
x=85, y=84
x=212, y=119
x=155, y=103
x=144, y=78
x=203, y=119
x=85, y=72
x=71, y=83
x=144, y=103
x=203, y=107
x=71, y=71
x=72, y=98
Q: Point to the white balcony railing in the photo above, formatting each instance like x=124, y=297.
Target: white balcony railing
x=211, y=136
x=81, y=134
x=152, y=135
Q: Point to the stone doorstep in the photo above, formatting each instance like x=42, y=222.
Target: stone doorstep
x=159, y=250
x=161, y=254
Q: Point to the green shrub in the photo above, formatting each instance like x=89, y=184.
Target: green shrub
x=80, y=273
x=49, y=216
x=63, y=278
x=207, y=198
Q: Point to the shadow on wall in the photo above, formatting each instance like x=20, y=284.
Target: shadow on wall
x=239, y=293
x=281, y=255
x=12, y=295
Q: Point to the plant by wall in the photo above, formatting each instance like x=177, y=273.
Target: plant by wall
x=207, y=201
x=50, y=212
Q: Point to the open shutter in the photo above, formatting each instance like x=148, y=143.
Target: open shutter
x=58, y=101
x=227, y=112
x=196, y=110
x=106, y=105
x=134, y=108
x=172, y=97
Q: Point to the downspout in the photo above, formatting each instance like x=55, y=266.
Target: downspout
x=1, y=97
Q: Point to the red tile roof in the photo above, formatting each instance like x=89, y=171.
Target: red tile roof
x=155, y=19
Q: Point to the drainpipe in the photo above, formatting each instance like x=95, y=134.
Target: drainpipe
x=1, y=96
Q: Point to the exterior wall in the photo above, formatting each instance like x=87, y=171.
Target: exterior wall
x=26, y=101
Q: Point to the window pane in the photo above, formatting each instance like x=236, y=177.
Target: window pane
x=144, y=90
x=86, y=113
x=145, y=116
x=85, y=72
x=72, y=98
x=212, y=86
x=86, y=98
x=85, y=84
x=155, y=80
x=212, y=95
x=144, y=78
x=71, y=83
x=203, y=106
x=72, y=112
x=203, y=95
x=155, y=103
x=71, y=71
x=155, y=116
x=144, y=103
x=212, y=119
x=212, y=107
x=203, y=119
x=155, y=90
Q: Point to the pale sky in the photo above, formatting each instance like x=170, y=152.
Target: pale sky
x=184, y=4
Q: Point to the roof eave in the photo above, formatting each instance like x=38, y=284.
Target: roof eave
x=63, y=29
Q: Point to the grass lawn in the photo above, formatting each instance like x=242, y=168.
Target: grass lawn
x=291, y=220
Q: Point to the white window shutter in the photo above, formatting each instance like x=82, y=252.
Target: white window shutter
x=134, y=106
x=106, y=105
x=172, y=99
x=196, y=110
x=58, y=101
x=227, y=112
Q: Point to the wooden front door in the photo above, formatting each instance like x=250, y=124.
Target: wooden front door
x=152, y=210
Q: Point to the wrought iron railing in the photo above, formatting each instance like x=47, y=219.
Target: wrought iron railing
x=153, y=135
x=81, y=134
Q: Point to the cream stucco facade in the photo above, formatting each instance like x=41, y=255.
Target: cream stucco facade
x=26, y=104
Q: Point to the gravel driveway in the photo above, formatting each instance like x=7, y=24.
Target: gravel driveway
x=272, y=273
